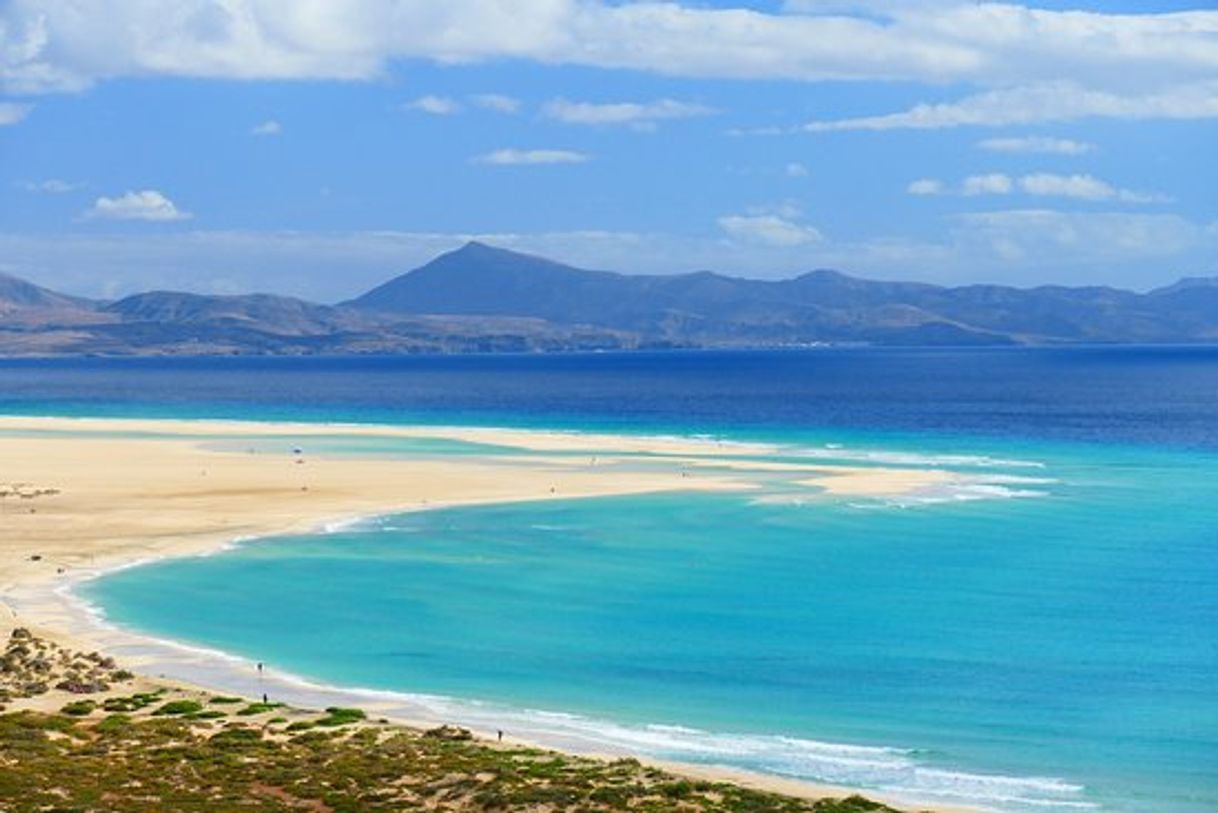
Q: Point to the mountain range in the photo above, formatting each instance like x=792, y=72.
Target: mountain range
x=485, y=299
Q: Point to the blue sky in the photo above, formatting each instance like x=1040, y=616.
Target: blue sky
x=317, y=149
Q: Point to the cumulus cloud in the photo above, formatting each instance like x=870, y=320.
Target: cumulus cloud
x=995, y=183
x=777, y=225
x=633, y=113
x=1079, y=186
x=144, y=205
x=267, y=128
x=1086, y=187
x=1036, y=144
x=497, y=102
x=10, y=112
x=509, y=157
x=435, y=105
x=926, y=186
x=1034, y=64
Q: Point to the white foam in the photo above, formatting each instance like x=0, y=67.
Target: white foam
x=344, y=525
x=967, y=491
x=888, y=770
x=900, y=458
x=958, y=488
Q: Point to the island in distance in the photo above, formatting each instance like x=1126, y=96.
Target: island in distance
x=484, y=299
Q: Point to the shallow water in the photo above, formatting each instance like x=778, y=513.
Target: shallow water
x=1043, y=648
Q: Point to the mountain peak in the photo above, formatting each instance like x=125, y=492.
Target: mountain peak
x=1187, y=284
x=477, y=251
x=484, y=280
x=478, y=247
x=18, y=293
x=825, y=275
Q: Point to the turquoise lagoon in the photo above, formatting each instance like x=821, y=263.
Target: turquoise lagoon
x=1043, y=638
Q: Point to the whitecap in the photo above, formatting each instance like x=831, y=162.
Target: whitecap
x=901, y=458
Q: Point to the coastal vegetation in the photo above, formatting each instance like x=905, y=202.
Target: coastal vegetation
x=105, y=762
x=166, y=747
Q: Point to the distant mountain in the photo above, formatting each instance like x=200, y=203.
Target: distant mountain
x=1187, y=284
x=37, y=321
x=484, y=281
x=280, y=315
x=17, y=294
x=33, y=318
x=486, y=299
x=18, y=297
x=698, y=308
x=821, y=306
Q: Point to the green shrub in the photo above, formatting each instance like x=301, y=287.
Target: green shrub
x=336, y=716
x=114, y=723
x=209, y=714
x=134, y=702
x=175, y=707
x=79, y=708
x=259, y=708
x=231, y=738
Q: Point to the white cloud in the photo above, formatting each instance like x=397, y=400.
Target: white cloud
x=51, y=186
x=795, y=170
x=506, y=157
x=926, y=186
x=1070, y=239
x=570, y=112
x=1044, y=184
x=1037, y=64
x=144, y=205
x=994, y=183
x=1042, y=102
x=10, y=112
x=267, y=128
x=1086, y=187
x=1036, y=144
x=496, y=102
x=771, y=226
x=435, y=105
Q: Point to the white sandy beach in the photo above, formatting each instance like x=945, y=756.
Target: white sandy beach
x=80, y=497
x=86, y=495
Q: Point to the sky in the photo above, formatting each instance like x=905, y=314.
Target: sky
x=319, y=147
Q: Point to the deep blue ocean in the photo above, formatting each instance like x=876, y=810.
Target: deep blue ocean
x=1047, y=640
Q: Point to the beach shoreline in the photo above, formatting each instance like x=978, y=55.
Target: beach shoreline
x=85, y=503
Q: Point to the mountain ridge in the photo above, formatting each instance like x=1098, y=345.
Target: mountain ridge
x=481, y=298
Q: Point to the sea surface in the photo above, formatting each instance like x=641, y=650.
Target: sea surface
x=1044, y=639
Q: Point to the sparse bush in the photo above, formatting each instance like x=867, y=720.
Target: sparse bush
x=80, y=708
x=336, y=716
x=176, y=707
